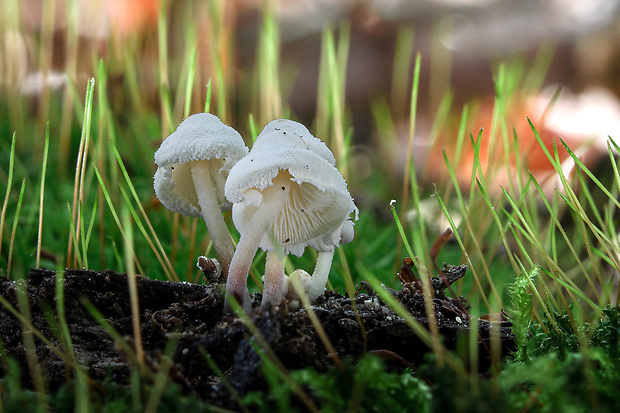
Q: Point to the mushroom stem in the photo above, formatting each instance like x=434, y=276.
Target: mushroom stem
x=274, y=278
x=211, y=213
x=273, y=199
x=320, y=275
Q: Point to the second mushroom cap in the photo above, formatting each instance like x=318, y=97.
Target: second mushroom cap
x=318, y=204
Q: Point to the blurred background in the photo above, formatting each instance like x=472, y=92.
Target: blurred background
x=47, y=46
x=344, y=68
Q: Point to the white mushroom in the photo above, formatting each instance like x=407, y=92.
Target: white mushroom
x=298, y=136
x=313, y=285
x=193, y=163
x=286, y=195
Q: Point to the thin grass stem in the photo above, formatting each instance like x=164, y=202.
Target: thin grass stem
x=469, y=228
x=81, y=382
x=18, y=209
x=78, y=186
x=115, y=216
x=30, y=348
x=426, y=282
x=208, y=98
x=69, y=95
x=164, y=82
x=42, y=197
x=133, y=283
x=156, y=246
x=410, y=172
x=270, y=101
x=218, y=49
x=191, y=73
x=9, y=186
x=400, y=73
x=74, y=240
x=459, y=240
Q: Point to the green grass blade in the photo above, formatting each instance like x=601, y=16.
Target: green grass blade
x=164, y=82
x=403, y=51
x=151, y=236
x=576, y=291
x=81, y=382
x=74, y=239
x=14, y=230
x=129, y=249
x=401, y=231
x=165, y=265
x=115, y=216
x=410, y=180
x=80, y=168
x=9, y=185
x=208, y=98
x=89, y=232
x=190, y=72
x=459, y=240
x=41, y=196
x=500, y=227
x=218, y=50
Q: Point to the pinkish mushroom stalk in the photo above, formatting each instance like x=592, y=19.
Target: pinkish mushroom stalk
x=275, y=278
x=272, y=199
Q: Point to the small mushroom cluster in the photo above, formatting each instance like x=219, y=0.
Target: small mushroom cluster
x=286, y=194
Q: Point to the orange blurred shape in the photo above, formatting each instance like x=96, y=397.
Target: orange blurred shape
x=131, y=16
x=583, y=121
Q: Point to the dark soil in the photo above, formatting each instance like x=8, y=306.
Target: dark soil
x=191, y=317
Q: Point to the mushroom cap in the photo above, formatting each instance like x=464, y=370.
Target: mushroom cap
x=297, y=135
x=200, y=138
x=307, y=158
x=319, y=203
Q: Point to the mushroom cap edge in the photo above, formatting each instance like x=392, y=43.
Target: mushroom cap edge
x=201, y=136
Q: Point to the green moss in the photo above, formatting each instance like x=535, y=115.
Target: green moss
x=365, y=387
